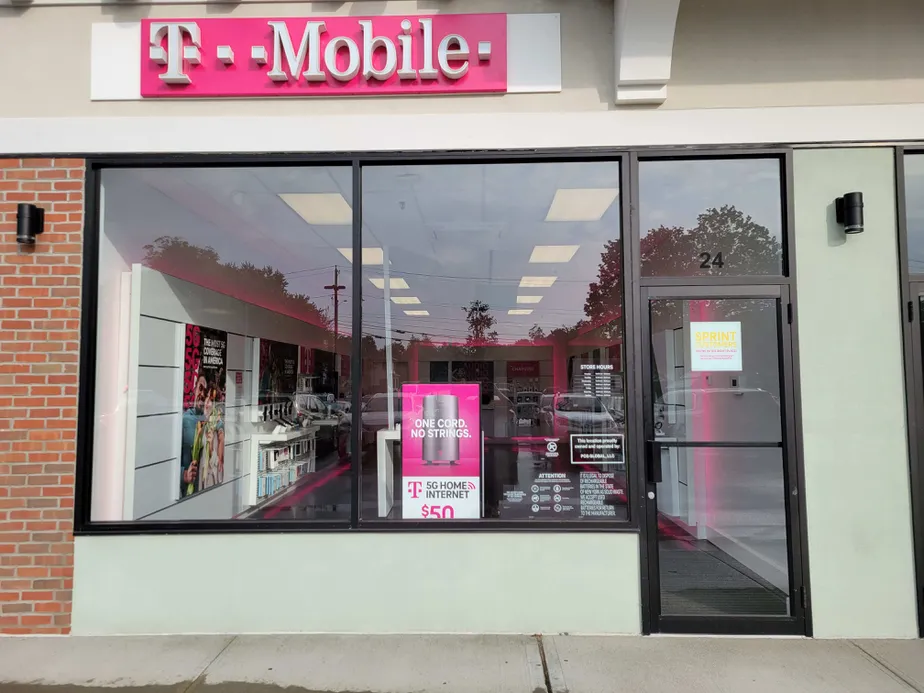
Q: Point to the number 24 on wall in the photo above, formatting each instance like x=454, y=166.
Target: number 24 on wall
x=710, y=261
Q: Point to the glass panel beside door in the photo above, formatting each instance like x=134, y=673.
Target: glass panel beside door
x=718, y=510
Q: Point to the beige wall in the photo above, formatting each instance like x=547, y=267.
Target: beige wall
x=758, y=53
x=727, y=53
x=853, y=411
x=55, y=43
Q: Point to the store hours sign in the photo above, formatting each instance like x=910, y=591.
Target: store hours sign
x=330, y=56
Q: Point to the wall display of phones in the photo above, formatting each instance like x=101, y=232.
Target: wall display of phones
x=281, y=464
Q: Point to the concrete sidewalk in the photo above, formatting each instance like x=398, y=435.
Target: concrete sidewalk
x=460, y=664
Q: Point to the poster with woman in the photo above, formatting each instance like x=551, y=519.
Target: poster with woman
x=202, y=446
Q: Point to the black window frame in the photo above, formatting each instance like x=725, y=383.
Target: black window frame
x=628, y=160
x=911, y=285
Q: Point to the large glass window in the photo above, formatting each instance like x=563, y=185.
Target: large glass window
x=493, y=343
x=223, y=375
x=914, y=210
x=710, y=217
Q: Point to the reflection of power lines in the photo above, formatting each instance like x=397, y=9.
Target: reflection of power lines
x=306, y=272
x=534, y=306
x=491, y=280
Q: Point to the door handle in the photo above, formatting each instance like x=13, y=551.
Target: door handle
x=653, y=462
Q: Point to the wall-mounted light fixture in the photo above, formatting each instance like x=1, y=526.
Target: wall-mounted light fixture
x=849, y=212
x=30, y=222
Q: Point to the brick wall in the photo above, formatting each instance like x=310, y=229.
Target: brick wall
x=39, y=332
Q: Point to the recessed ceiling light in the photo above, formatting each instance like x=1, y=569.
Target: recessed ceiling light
x=537, y=282
x=393, y=283
x=553, y=253
x=581, y=204
x=320, y=209
x=417, y=312
x=371, y=256
x=519, y=311
x=529, y=299
x=405, y=299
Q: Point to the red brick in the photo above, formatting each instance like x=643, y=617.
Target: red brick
x=36, y=620
x=40, y=291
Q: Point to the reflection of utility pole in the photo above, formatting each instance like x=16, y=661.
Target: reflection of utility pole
x=336, y=287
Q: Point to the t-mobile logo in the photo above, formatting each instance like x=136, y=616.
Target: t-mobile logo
x=414, y=488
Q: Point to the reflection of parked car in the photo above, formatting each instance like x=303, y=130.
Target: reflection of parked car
x=575, y=412
x=313, y=410
x=375, y=415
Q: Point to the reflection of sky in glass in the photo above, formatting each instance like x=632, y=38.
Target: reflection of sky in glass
x=237, y=212
x=675, y=193
x=454, y=233
x=914, y=209
x=458, y=233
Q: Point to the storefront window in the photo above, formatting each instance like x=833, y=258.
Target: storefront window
x=493, y=343
x=914, y=210
x=223, y=374
x=711, y=217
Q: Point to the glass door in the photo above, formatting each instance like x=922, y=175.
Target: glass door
x=721, y=483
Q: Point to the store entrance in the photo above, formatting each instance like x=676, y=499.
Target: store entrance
x=721, y=482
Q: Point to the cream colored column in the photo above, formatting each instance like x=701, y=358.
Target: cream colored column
x=853, y=399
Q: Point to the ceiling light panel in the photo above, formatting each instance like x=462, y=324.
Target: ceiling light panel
x=537, y=282
x=520, y=311
x=529, y=299
x=393, y=283
x=417, y=312
x=405, y=300
x=553, y=253
x=371, y=256
x=320, y=209
x=581, y=204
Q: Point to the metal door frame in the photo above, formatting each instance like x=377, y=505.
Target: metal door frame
x=914, y=387
x=796, y=623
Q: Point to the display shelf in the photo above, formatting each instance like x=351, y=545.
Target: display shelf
x=300, y=446
x=290, y=435
x=269, y=500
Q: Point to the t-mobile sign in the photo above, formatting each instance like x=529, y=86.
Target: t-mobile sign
x=441, y=451
x=331, y=56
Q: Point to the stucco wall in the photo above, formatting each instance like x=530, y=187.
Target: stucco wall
x=359, y=583
x=853, y=409
x=754, y=53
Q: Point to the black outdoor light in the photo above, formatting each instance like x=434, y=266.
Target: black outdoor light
x=30, y=222
x=849, y=212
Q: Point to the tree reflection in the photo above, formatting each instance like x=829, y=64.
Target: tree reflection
x=263, y=286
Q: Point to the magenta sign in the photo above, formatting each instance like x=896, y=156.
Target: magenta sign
x=441, y=451
x=330, y=56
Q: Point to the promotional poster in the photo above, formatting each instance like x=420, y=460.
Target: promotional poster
x=202, y=446
x=278, y=370
x=715, y=346
x=441, y=451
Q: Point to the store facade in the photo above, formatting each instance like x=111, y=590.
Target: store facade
x=385, y=319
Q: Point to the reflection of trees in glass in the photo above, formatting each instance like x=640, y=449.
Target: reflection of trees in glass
x=747, y=248
x=263, y=286
x=480, y=321
x=604, y=296
x=536, y=333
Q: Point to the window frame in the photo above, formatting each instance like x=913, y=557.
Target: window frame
x=910, y=287
x=628, y=162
